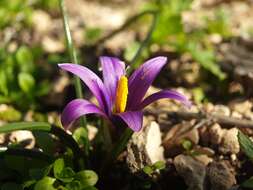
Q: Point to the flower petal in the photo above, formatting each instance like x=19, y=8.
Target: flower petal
x=165, y=94
x=93, y=82
x=142, y=78
x=133, y=119
x=113, y=69
x=77, y=108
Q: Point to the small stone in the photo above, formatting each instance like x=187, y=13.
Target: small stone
x=241, y=107
x=219, y=176
x=229, y=143
x=92, y=131
x=216, y=134
x=204, y=150
x=236, y=114
x=191, y=170
x=52, y=45
x=153, y=142
x=42, y=21
x=233, y=157
x=208, y=107
x=2, y=139
x=145, y=148
x=203, y=158
x=221, y=110
x=23, y=137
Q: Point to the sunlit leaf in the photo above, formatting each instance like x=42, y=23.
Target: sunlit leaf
x=80, y=136
x=58, y=167
x=39, y=126
x=25, y=59
x=148, y=170
x=26, y=82
x=45, y=184
x=87, y=178
x=159, y=165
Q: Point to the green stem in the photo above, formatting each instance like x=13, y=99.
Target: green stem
x=145, y=42
x=73, y=56
x=27, y=153
x=117, y=149
x=106, y=134
x=121, y=145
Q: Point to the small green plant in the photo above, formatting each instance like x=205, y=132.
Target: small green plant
x=21, y=80
x=154, y=168
x=63, y=178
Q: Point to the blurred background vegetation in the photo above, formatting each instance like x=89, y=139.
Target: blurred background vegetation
x=192, y=34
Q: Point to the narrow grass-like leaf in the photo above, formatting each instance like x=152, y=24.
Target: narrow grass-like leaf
x=32, y=126
x=246, y=144
x=248, y=183
x=43, y=126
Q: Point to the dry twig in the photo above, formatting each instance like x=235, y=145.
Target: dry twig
x=221, y=119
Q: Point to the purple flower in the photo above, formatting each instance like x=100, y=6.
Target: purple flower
x=117, y=96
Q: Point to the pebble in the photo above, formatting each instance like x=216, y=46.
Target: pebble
x=219, y=176
x=230, y=143
x=192, y=171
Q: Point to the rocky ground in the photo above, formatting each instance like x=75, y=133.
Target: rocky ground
x=199, y=145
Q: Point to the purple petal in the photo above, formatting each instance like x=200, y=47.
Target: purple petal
x=77, y=108
x=133, y=119
x=165, y=94
x=93, y=82
x=113, y=69
x=141, y=79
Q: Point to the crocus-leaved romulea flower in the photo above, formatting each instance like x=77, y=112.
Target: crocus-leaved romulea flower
x=117, y=96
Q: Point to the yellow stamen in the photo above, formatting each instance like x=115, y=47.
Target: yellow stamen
x=121, y=95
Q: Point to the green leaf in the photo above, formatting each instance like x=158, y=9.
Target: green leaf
x=24, y=59
x=246, y=144
x=187, y=144
x=248, y=183
x=37, y=173
x=45, y=184
x=148, y=170
x=3, y=83
x=10, y=114
x=159, y=165
x=39, y=126
x=45, y=141
x=29, y=183
x=60, y=172
x=58, y=167
x=74, y=185
x=87, y=178
x=16, y=163
x=67, y=175
x=92, y=34
x=198, y=94
x=26, y=82
x=11, y=186
x=80, y=135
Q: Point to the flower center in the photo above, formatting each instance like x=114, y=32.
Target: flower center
x=121, y=95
